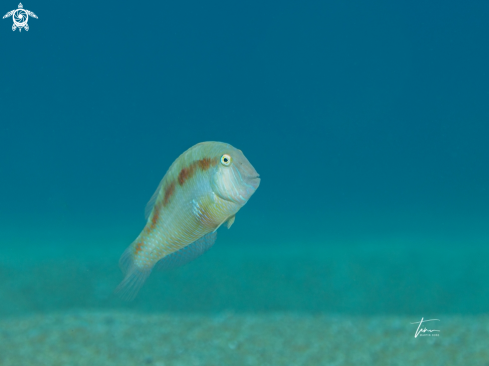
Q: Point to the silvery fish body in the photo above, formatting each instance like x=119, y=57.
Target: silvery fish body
x=205, y=187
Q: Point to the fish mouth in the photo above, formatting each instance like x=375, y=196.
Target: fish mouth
x=254, y=180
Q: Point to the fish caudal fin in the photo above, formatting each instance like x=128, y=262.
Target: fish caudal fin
x=135, y=276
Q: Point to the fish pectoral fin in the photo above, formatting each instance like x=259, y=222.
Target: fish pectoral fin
x=231, y=221
x=187, y=253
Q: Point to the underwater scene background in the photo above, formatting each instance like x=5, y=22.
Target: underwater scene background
x=367, y=121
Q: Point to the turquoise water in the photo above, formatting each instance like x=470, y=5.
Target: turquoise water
x=366, y=121
x=59, y=271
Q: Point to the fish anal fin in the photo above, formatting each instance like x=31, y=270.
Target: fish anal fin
x=187, y=253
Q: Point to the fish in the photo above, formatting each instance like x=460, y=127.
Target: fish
x=203, y=189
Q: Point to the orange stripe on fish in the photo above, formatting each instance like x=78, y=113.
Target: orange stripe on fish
x=183, y=175
x=188, y=172
x=156, y=215
x=139, y=247
x=168, y=193
x=204, y=164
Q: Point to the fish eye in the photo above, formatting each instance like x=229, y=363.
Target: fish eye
x=226, y=160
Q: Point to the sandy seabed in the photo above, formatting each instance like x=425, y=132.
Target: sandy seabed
x=300, y=305
x=129, y=338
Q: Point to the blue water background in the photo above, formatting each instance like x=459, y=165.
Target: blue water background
x=368, y=122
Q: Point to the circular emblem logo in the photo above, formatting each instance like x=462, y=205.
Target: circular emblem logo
x=20, y=18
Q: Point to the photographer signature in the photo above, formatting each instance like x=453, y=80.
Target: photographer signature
x=421, y=330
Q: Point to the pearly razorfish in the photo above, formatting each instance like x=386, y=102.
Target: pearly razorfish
x=204, y=188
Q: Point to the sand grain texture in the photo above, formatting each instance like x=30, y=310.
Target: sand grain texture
x=98, y=338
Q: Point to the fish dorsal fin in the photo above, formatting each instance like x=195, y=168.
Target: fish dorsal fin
x=187, y=253
x=152, y=201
